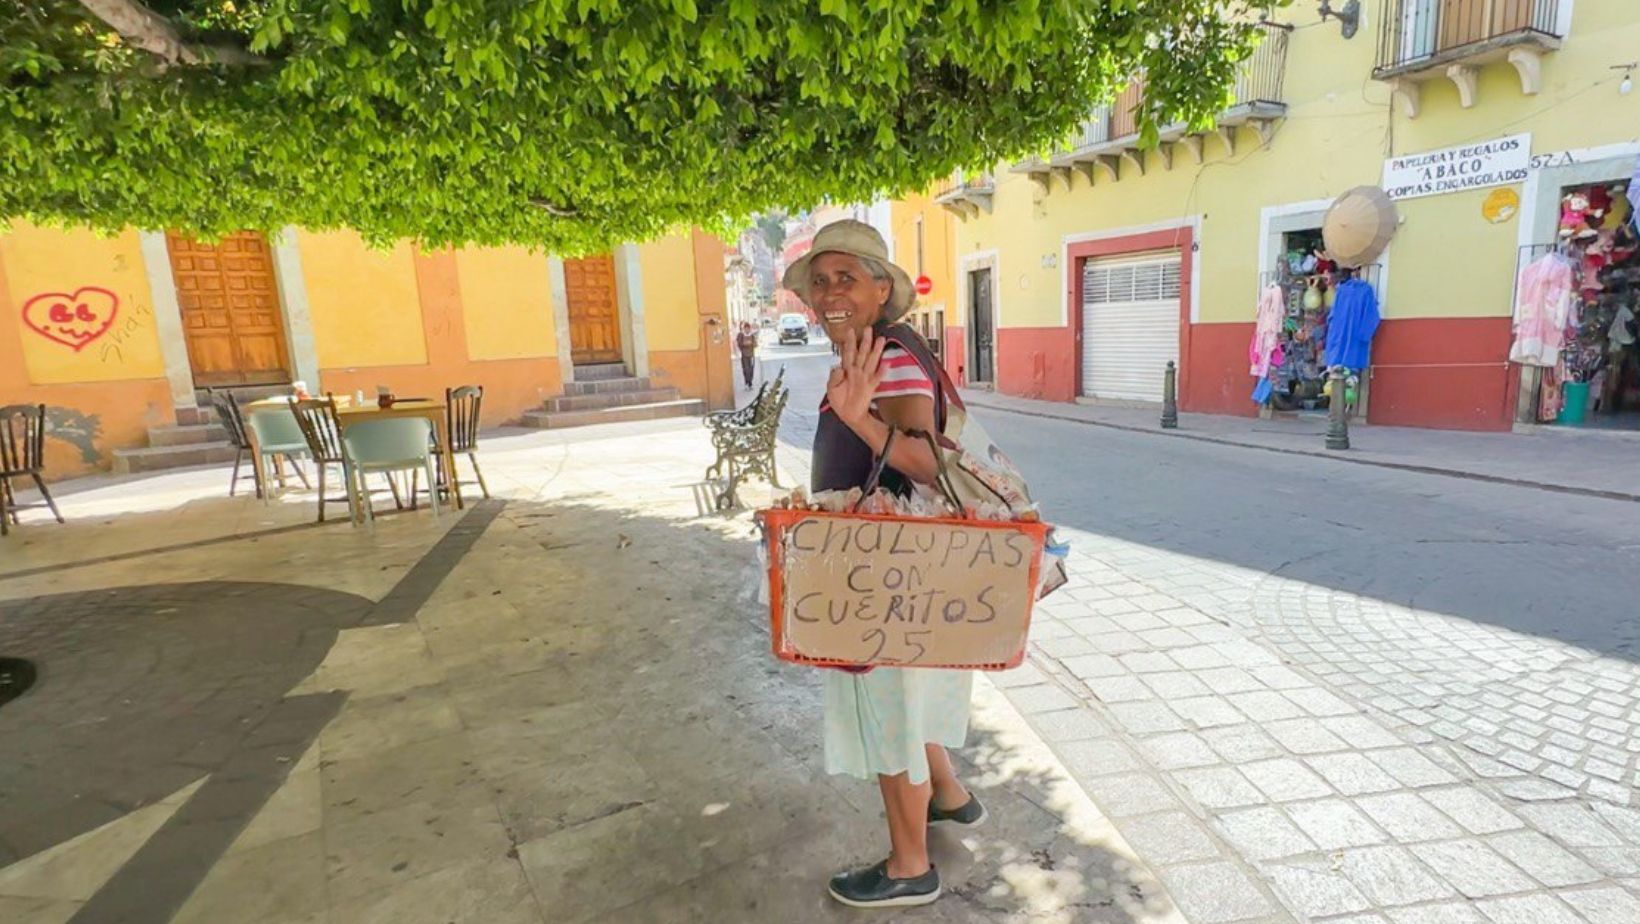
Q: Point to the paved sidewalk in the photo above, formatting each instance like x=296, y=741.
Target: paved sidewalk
x=558, y=706
x=1594, y=462
x=1281, y=750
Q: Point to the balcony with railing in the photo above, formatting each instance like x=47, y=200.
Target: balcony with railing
x=1422, y=40
x=1109, y=138
x=965, y=197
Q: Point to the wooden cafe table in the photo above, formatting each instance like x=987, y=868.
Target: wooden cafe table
x=348, y=414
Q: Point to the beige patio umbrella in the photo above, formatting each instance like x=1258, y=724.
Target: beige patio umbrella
x=1359, y=225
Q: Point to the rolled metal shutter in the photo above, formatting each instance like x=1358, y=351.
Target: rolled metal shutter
x=1130, y=325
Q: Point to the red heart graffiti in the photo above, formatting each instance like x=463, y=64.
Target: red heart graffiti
x=72, y=320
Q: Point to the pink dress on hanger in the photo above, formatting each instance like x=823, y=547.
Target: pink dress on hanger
x=1543, y=305
x=1272, y=310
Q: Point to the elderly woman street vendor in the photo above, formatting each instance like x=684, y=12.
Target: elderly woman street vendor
x=891, y=723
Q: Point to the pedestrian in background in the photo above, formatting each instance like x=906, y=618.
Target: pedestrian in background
x=887, y=722
x=746, y=344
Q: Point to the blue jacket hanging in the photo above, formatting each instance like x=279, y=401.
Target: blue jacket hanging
x=1350, y=326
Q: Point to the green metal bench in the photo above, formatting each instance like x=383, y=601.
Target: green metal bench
x=744, y=441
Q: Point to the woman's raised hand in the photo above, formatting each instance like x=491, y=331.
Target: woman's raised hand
x=854, y=381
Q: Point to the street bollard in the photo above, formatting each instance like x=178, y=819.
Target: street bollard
x=1338, y=426
x=1170, y=398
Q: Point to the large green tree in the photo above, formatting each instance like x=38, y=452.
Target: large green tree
x=567, y=124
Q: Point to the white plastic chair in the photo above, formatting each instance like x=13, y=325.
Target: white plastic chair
x=278, y=437
x=388, y=446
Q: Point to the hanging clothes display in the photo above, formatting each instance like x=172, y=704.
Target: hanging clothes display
x=1272, y=310
x=1351, y=324
x=1575, y=311
x=1543, y=304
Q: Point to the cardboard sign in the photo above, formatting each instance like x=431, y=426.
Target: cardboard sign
x=856, y=589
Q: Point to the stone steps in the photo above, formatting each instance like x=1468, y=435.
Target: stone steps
x=158, y=458
x=244, y=394
x=598, y=372
x=611, y=399
x=657, y=410
x=607, y=386
x=187, y=434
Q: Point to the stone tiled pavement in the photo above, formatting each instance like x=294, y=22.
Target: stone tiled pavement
x=1286, y=751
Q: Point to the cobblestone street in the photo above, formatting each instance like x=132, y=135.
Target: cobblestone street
x=1320, y=692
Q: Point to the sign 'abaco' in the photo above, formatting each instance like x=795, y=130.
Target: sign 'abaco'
x=1467, y=166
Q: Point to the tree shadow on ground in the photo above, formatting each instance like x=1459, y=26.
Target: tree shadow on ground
x=649, y=758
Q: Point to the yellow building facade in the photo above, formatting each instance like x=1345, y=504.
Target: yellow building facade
x=1100, y=262
x=924, y=244
x=118, y=335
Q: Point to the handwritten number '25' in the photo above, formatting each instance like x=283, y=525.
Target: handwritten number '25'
x=910, y=640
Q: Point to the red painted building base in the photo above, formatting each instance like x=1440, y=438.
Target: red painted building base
x=1037, y=362
x=1445, y=373
x=1442, y=373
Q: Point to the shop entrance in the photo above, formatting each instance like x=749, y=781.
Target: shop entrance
x=1595, y=381
x=982, y=330
x=1298, y=383
x=1306, y=283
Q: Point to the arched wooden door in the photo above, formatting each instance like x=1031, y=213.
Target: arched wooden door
x=230, y=310
x=594, y=313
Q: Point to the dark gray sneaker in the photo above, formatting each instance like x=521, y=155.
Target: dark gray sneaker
x=872, y=888
x=969, y=815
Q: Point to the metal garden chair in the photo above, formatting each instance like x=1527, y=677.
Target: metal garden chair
x=461, y=413
x=22, y=452
x=316, y=417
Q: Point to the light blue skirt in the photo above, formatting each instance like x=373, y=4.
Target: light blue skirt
x=878, y=722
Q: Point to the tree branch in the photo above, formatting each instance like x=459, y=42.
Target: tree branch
x=143, y=28
x=554, y=210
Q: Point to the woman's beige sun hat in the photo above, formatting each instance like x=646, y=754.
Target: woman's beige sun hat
x=857, y=239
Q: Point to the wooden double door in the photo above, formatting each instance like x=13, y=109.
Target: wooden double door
x=594, y=310
x=230, y=310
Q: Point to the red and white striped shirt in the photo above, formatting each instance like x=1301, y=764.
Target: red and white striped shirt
x=902, y=375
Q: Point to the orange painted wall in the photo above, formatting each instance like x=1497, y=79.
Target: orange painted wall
x=712, y=301
x=86, y=421
x=674, y=318
x=511, y=386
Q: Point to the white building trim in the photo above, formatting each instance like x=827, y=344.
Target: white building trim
x=1552, y=171
x=629, y=297
x=293, y=303
x=978, y=260
x=1276, y=220
x=560, y=317
x=1193, y=222
x=966, y=264
x=173, y=340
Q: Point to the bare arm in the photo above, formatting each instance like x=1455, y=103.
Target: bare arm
x=910, y=456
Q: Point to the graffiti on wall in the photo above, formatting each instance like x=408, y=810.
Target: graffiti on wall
x=76, y=428
x=112, y=347
x=73, y=320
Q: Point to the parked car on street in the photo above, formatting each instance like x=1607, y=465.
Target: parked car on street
x=794, y=328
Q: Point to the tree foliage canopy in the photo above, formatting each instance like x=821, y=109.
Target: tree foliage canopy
x=567, y=124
